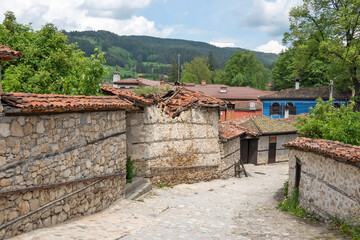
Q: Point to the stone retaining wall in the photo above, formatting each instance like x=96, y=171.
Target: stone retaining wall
x=327, y=187
x=56, y=167
x=164, y=148
x=230, y=153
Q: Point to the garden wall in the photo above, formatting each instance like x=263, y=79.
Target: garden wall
x=55, y=167
x=177, y=150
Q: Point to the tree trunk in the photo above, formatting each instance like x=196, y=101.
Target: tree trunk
x=356, y=85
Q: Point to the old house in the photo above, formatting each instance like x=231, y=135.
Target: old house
x=259, y=138
x=173, y=137
x=327, y=175
x=298, y=100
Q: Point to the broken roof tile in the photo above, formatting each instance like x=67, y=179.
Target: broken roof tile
x=30, y=102
x=8, y=54
x=173, y=102
x=342, y=152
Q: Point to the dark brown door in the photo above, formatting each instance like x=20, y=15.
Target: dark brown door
x=253, y=151
x=272, y=150
x=244, y=150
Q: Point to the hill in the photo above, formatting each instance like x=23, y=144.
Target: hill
x=127, y=51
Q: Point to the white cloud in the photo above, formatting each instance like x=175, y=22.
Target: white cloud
x=271, y=47
x=270, y=17
x=87, y=15
x=224, y=42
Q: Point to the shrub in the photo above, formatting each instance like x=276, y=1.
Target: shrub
x=327, y=122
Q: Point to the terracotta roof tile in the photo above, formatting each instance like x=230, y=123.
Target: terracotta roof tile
x=229, y=130
x=333, y=149
x=173, y=102
x=8, y=54
x=233, y=93
x=29, y=102
x=125, y=94
x=307, y=93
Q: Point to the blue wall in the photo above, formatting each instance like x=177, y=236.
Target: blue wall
x=302, y=106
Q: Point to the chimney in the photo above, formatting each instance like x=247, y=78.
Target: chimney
x=140, y=78
x=116, y=76
x=297, y=83
x=223, y=89
x=331, y=89
x=203, y=82
x=163, y=82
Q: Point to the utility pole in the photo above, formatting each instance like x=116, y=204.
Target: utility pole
x=178, y=67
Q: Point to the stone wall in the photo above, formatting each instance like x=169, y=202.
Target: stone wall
x=171, y=151
x=56, y=167
x=281, y=152
x=327, y=187
x=230, y=153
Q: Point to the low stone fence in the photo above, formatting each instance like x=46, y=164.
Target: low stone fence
x=177, y=150
x=327, y=174
x=230, y=153
x=54, y=167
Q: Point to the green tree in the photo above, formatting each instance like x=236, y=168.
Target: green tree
x=49, y=64
x=243, y=69
x=173, y=71
x=334, y=25
x=211, y=61
x=198, y=67
x=327, y=122
x=189, y=78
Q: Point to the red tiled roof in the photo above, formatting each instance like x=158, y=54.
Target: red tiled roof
x=8, y=54
x=176, y=101
x=308, y=93
x=133, y=81
x=173, y=102
x=127, y=81
x=233, y=93
x=333, y=149
x=229, y=130
x=125, y=94
x=29, y=102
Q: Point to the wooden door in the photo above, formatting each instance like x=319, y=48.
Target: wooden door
x=244, y=150
x=272, y=150
x=253, y=151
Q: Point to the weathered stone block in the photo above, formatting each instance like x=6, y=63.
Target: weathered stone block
x=16, y=129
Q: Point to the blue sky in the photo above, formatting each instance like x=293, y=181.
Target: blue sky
x=251, y=24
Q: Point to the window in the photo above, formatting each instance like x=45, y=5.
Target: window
x=275, y=109
x=230, y=106
x=252, y=105
x=292, y=109
x=336, y=105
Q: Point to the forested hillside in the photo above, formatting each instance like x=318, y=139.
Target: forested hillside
x=126, y=51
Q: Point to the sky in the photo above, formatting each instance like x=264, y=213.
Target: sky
x=251, y=24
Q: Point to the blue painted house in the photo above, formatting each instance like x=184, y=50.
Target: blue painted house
x=297, y=100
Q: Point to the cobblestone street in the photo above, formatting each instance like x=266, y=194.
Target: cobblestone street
x=237, y=208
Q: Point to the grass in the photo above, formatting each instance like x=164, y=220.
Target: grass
x=291, y=205
x=349, y=228
x=161, y=186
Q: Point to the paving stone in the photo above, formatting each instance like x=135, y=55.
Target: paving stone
x=244, y=209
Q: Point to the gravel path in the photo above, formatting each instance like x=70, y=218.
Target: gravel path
x=237, y=208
